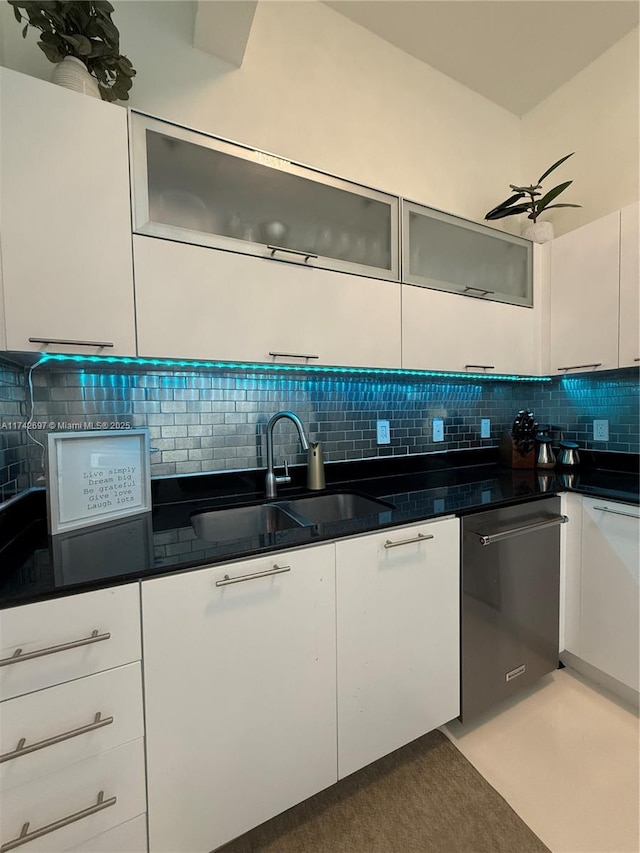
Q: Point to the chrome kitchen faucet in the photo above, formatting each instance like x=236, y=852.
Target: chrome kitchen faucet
x=272, y=479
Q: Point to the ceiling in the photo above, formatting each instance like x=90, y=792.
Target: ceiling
x=514, y=52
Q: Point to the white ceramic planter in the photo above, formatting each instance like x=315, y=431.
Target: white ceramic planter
x=73, y=74
x=539, y=232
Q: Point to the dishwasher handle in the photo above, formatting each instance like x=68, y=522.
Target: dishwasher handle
x=490, y=538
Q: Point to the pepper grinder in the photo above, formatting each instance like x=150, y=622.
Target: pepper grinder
x=315, y=467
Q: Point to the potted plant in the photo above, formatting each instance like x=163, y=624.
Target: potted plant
x=540, y=232
x=80, y=38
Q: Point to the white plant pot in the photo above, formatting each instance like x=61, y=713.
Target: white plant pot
x=73, y=74
x=539, y=232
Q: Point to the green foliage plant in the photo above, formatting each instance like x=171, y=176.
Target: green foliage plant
x=536, y=202
x=85, y=30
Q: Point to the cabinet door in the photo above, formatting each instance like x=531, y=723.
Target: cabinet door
x=66, y=224
x=68, y=804
x=200, y=303
x=199, y=189
x=398, y=635
x=67, y=638
x=629, y=287
x=444, y=331
x=240, y=695
x=450, y=253
x=584, y=297
x=609, y=636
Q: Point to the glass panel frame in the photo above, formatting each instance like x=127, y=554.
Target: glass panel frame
x=473, y=279
x=380, y=254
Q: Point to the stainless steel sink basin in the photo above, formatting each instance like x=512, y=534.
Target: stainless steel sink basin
x=338, y=506
x=225, y=525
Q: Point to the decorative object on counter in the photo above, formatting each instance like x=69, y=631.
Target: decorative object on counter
x=517, y=449
x=83, y=42
x=96, y=476
x=568, y=456
x=539, y=232
x=315, y=466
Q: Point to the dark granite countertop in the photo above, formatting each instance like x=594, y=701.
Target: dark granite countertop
x=35, y=566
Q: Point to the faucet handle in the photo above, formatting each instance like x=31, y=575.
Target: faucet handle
x=284, y=478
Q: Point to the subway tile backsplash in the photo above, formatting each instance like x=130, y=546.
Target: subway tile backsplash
x=215, y=420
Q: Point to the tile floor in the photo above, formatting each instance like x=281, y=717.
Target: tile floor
x=566, y=758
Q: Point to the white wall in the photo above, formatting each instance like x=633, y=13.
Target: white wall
x=319, y=89
x=594, y=114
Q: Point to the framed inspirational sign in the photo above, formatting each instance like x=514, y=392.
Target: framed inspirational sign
x=97, y=476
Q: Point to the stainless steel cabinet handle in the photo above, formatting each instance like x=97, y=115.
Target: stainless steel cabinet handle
x=617, y=512
x=18, y=656
x=481, y=366
x=636, y=359
x=25, y=836
x=421, y=537
x=276, y=570
x=580, y=366
x=305, y=255
x=21, y=749
x=292, y=355
x=490, y=538
x=478, y=290
x=63, y=342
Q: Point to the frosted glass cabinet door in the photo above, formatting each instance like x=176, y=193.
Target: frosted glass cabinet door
x=448, y=253
x=196, y=188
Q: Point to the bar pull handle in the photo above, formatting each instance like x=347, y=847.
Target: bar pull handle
x=276, y=570
x=25, y=836
x=421, y=537
x=305, y=255
x=18, y=656
x=292, y=355
x=481, y=366
x=490, y=538
x=63, y=342
x=21, y=749
x=636, y=359
x=617, y=512
x=581, y=366
x=478, y=290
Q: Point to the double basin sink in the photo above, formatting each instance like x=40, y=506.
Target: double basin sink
x=260, y=520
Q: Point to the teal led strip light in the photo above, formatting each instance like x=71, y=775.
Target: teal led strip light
x=161, y=363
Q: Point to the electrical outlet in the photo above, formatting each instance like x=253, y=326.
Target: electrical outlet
x=438, y=429
x=601, y=430
x=384, y=433
x=485, y=428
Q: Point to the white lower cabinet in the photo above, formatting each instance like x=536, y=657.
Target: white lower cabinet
x=62, y=809
x=199, y=303
x=71, y=723
x=240, y=695
x=610, y=592
x=445, y=331
x=398, y=633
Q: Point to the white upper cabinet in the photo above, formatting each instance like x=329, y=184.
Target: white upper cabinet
x=448, y=253
x=629, y=354
x=442, y=331
x=585, y=277
x=196, y=188
x=197, y=303
x=66, y=227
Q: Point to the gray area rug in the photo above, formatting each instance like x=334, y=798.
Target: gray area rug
x=424, y=798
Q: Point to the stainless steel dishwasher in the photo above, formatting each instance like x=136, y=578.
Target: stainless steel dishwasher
x=510, y=601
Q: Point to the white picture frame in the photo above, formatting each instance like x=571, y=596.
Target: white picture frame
x=96, y=476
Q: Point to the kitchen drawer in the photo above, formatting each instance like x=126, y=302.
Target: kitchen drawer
x=129, y=837
x=59, y=635
x=66, y=802
x=45, y=715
